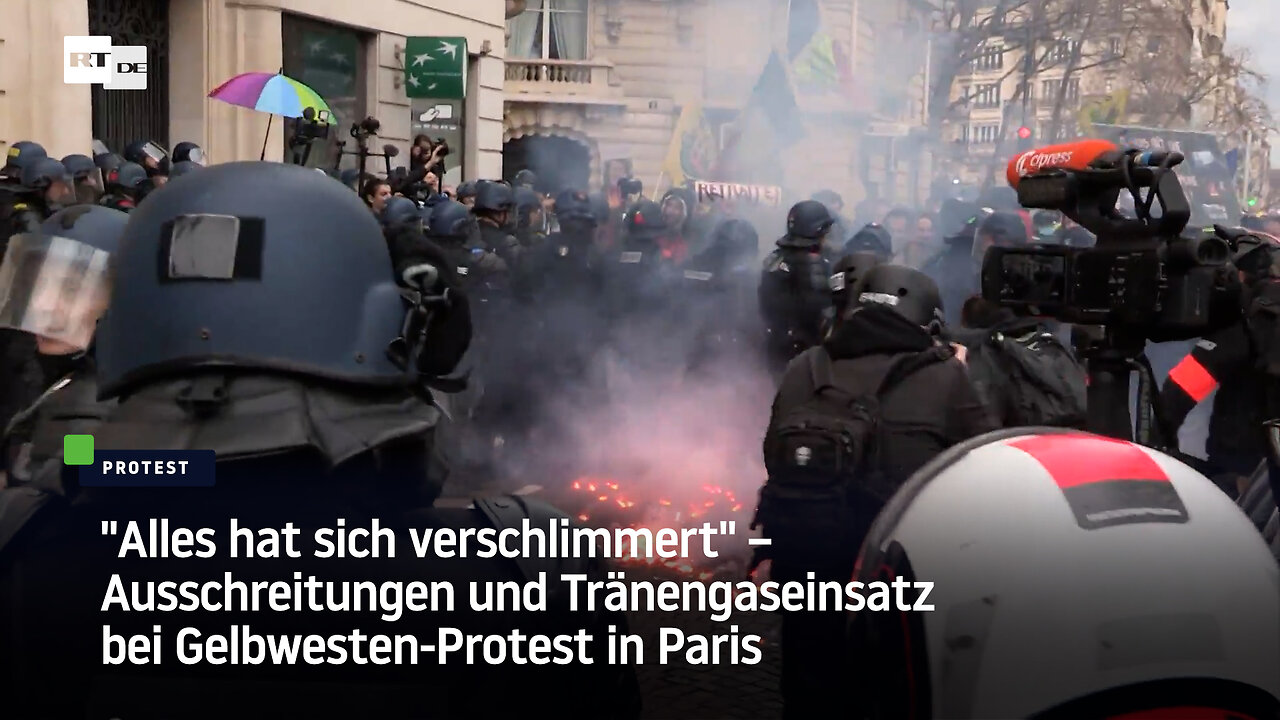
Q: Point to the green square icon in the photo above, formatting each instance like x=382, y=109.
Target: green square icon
x=77, y=449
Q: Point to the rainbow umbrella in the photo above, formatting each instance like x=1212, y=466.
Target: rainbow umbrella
x=272, y=93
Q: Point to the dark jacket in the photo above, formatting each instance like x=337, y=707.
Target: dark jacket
x=990, y=381
x=955, y=273
x=793, y=293
x=1224, y=361
x=924, y=414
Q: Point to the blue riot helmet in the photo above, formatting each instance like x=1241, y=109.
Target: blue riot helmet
x=81, y=167
x=55, y=283
x=400, y=212
x=50, y=178
x=107, y=162
x=262, y=266
x=528, y=203
x=87, y=179
x=574, y=206
x=127, y=179
x=184, y=167
x=451, y=221
x=350, y=177
x=525, y=179
x=492, y=196
x=188, y=152
x=466, y=191
x=22, y=154
x=999, y=229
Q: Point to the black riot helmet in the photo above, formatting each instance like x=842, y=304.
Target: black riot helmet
x=809, y=219
x=909, y=292
x=494, y=197
x=188, y=152
x=957, y=219
x=128, y=178
x=574, y=206
x=349, y=177
x=872, y=238
x=183, y=167
x=22, y=154
x=466, y=190
x=847, y=272
x=147, y=154
x=644, y=221
x=525, y=179
x=400, y=212
x=264, y=266
x=451, y=220
x=81, y=167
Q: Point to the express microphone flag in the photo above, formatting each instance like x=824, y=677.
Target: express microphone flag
x=1069, y=156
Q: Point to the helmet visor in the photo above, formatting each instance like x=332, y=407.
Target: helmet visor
x=53, y=287
x=196, y=155
x=154, y=151
x=100, y=148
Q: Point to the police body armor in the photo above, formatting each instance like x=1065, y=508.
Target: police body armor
x=794, y=292
x=288, y=451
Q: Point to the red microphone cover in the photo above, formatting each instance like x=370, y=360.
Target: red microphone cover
x=1069, y=156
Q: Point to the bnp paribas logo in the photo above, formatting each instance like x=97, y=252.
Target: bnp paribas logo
x=93, y=60
x=137, y=468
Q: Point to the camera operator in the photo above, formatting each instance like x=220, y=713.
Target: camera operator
x=429, y=155
x=1236, y=362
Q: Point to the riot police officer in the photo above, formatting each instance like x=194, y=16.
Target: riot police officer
x=50, y=186
x=21, y=154
x=150, y=156
x=311, y=420
x=189, y=152
x=182, y=168
x=794, y=285
x=638, y=277
x=67, y=261
x=124, y=187
x=495, y=203
x=88, y=181
x=466, y=193
x=531, y=219
x=525, y=179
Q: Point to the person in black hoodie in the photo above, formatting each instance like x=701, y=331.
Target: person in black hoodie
x=952, y=268
x=895, y=312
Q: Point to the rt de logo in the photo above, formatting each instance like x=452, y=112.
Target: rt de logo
x=92, y=60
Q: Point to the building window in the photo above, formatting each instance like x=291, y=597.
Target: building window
x=330, y=60
x=987, y=96
x=984, y=134
x=1049, y=91
x=1063, y=51
x=550, y=30
x=989, y=58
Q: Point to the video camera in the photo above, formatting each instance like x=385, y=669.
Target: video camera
x=310, y=127
x=362, y=131
x=1145, y=277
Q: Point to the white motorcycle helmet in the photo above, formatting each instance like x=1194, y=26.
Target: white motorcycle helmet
x=1075, y=576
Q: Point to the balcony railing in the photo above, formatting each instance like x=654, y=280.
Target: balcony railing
x=560, y=77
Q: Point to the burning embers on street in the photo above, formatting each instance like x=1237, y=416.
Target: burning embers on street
x=603, y=502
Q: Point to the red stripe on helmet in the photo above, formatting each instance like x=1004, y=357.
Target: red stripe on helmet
x=1078, y=459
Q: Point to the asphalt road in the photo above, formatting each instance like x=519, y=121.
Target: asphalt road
x=678, y=690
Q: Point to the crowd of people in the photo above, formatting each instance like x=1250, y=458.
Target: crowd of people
x=322, y=331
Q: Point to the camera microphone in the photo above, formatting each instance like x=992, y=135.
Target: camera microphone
x=1158, y=158
x=1079, y=155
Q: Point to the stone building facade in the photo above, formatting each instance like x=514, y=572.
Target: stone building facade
x=194, y=45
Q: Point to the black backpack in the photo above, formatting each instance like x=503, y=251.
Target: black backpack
x=821, y=457
x=1031, y=379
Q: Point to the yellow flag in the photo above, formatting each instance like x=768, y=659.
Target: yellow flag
x=1107, y=111
x=692, y=150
